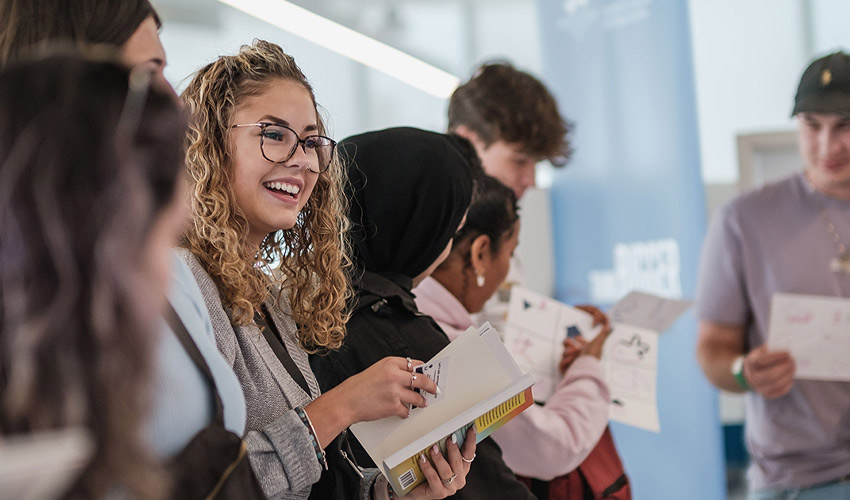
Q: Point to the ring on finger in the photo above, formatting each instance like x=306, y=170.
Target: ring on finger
x=409, y=364
x=449, y=480
x=412, y=380
x=468, y=461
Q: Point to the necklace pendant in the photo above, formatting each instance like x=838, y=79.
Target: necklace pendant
x=840, y=264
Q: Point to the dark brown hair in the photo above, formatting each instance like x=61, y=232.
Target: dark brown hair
x=25, y=25
x=86, y=167
x=503, y=103
x=493, y=212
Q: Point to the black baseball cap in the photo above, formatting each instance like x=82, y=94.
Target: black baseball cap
x=825, y=86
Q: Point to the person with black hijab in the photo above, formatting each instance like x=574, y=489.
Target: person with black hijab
x=408, y=195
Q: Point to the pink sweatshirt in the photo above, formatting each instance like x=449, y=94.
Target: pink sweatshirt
x=547, y=441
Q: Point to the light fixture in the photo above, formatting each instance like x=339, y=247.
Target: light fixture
x=349, y=43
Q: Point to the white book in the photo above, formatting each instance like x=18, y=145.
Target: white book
x=480, y=385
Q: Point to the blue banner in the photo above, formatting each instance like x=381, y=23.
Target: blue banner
x=629, y=211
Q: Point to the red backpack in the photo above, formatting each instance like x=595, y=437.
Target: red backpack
x=600, y=477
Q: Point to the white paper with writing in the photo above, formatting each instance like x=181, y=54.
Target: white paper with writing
x=630, y=361
x=537, y=326
x=816, y=330
x=534, y=334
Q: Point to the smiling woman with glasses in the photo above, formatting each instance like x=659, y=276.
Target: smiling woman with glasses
x=278, y=143
x=249, y=210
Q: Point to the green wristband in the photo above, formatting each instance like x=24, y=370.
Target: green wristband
x=738, y=372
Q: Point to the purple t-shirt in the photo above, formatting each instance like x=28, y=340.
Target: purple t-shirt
x=775, y=240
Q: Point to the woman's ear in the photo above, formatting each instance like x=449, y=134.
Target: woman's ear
x=479, y=251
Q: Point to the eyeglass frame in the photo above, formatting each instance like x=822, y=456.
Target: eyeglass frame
x=298, y=141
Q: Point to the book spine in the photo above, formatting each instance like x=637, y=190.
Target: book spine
x=407, y=475
x=495, y=418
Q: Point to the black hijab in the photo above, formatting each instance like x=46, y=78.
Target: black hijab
x=409, y=191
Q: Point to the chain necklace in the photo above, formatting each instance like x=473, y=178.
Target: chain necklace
x=840, y=264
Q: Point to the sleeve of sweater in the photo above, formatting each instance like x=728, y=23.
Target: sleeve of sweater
x=548, y=441
x=281, y=451
x=283, y=457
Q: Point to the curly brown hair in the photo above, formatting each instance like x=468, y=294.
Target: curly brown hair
x=314, y=256
x=503, y=103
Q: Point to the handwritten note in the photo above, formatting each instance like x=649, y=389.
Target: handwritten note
x=537, y=326
x=630, y=361
x=534, y=334
x=816, y=330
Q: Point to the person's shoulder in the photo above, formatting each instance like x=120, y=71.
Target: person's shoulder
x=182, y=274
x=185, y=256
x=768, y=198
x=203, y=280
x=185, y=293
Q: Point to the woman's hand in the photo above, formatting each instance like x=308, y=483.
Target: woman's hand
x=385, y=389
x=572, y=349
x=578, y=346
x=445, y=478
x=599, y=317
x=382, y=390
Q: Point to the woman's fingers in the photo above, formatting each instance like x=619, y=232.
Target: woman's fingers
x=445, y=478
x=408, y=398
x=469, y=445
x=599, y=317
x=444, y=470
x=420, y=381
x=435, y=487
x=453, y=452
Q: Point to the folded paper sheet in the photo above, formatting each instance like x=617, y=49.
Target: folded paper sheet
x=816, y=330
x=538, y=325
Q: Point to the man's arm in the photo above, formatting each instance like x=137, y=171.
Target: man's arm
x=770, y=373
x=717, y=347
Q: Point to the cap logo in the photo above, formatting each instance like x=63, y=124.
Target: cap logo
x=825, y=77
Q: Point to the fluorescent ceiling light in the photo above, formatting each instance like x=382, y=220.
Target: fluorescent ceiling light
x=350, y=43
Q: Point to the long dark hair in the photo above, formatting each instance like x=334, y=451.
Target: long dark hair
x=87, y=163
x=27, y=24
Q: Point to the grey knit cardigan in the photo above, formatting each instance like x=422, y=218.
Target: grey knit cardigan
x=279, y=446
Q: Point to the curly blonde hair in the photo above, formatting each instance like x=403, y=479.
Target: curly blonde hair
x=314, y=256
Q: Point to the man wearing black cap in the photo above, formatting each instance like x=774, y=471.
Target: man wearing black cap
x=791, y=236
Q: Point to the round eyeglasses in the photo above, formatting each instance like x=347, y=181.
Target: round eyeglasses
x=279, y=142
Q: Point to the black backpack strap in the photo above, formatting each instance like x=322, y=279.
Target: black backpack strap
x=275, y=341
x=176, y=324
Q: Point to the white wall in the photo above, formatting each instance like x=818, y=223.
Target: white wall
x=748, y=58
x=358, y=98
